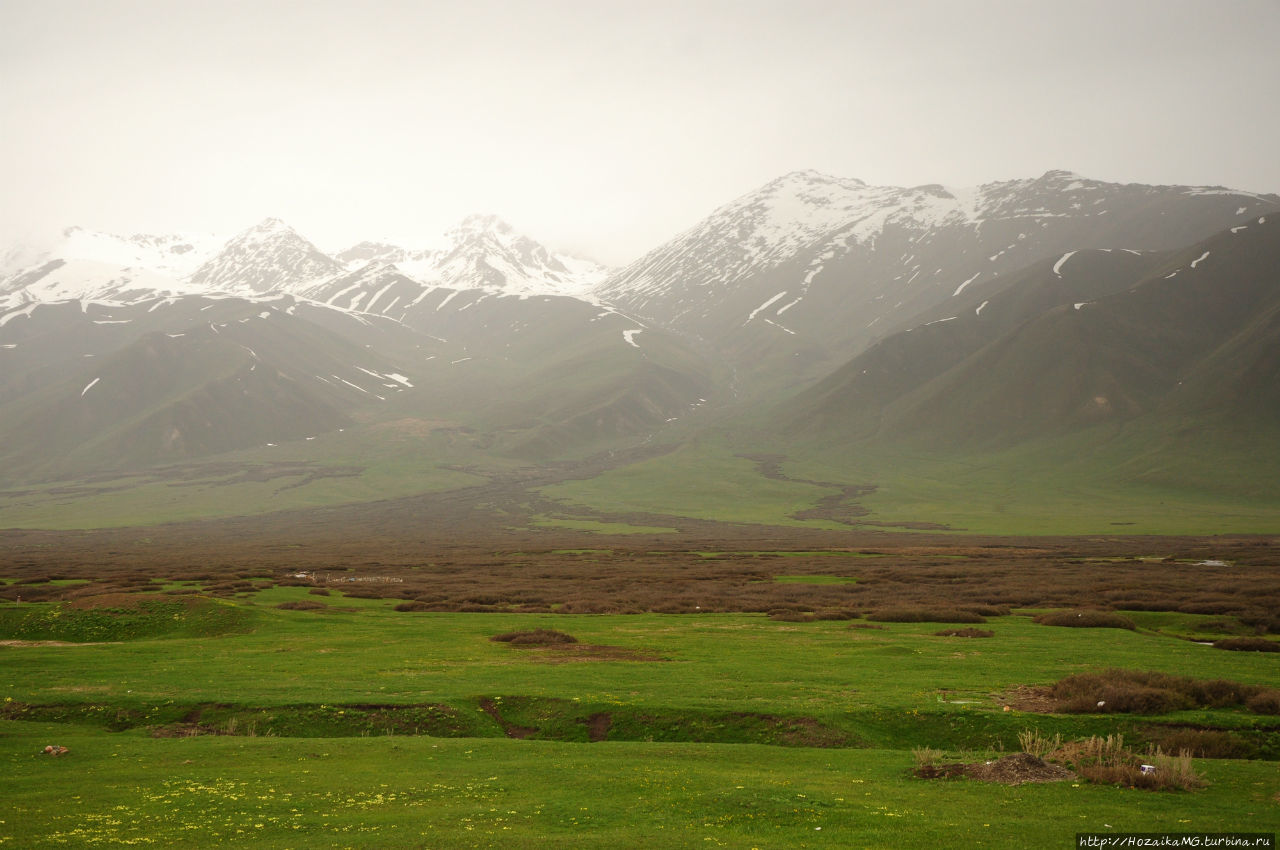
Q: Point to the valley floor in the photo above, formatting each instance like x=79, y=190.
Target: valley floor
x=315, y=684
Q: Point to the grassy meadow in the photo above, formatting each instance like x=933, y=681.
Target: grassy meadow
x=352, y=724
x=1060, y=486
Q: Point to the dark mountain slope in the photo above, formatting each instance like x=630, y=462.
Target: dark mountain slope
x=151, y=386
x=802, y=274
x=1190, y=336
x=853, y=399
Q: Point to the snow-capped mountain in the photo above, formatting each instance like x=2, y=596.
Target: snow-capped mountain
x=484, y=258
x=88, y=264
x=809, y=269
x=268, y=257
x=174, y=255
x=484, y=252
x=376, y=287
x=539, y=353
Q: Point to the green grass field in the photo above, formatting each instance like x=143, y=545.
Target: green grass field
x=710, y=720
x=1034, y=490
x=702, y=480
x=331, y=470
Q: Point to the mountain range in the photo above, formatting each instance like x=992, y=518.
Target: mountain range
x=814, y=310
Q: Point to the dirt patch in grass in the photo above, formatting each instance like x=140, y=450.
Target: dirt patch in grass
x=1014, y=769
x=1034, y=698
x=511, y=730
x=806, y=732
x=598, y=726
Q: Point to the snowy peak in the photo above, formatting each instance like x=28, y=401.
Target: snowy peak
x=804, y=211
x=485, y=252
x=174, y=255
x=91, y=265
x=268, y=257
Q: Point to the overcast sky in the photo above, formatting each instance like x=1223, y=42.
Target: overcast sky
x=600, y=126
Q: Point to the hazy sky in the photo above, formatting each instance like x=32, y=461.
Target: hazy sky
x=599, y=126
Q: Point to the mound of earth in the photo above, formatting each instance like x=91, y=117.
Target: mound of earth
x=1015, y=769
x=117, y=601
x=1018, y=768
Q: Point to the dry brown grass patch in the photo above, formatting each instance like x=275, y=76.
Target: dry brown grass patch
x=1247, y=644
x=535, y=637
x=965, y=633
x=1107, y=761
x=1088, y=619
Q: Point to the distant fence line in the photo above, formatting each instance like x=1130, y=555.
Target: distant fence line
x=340, y=578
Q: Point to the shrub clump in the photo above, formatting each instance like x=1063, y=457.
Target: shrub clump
x=1247, y=644
x=1139, y=692
x=969, y=632
x=1086, y=620
x=301, y=605
x=1202, y=743
x=1264, y=702
x=535, y=637
x=1106, y=761
x=839, y=614
x=926, y=615
x=414, y=605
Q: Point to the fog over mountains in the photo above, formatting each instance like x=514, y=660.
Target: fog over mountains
x=814, y=307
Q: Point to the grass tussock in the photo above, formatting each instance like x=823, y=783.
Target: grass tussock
x=926, y=756
x=535, y=637
x=1106, y=761
x=1038, y=744
x=1087, y=619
